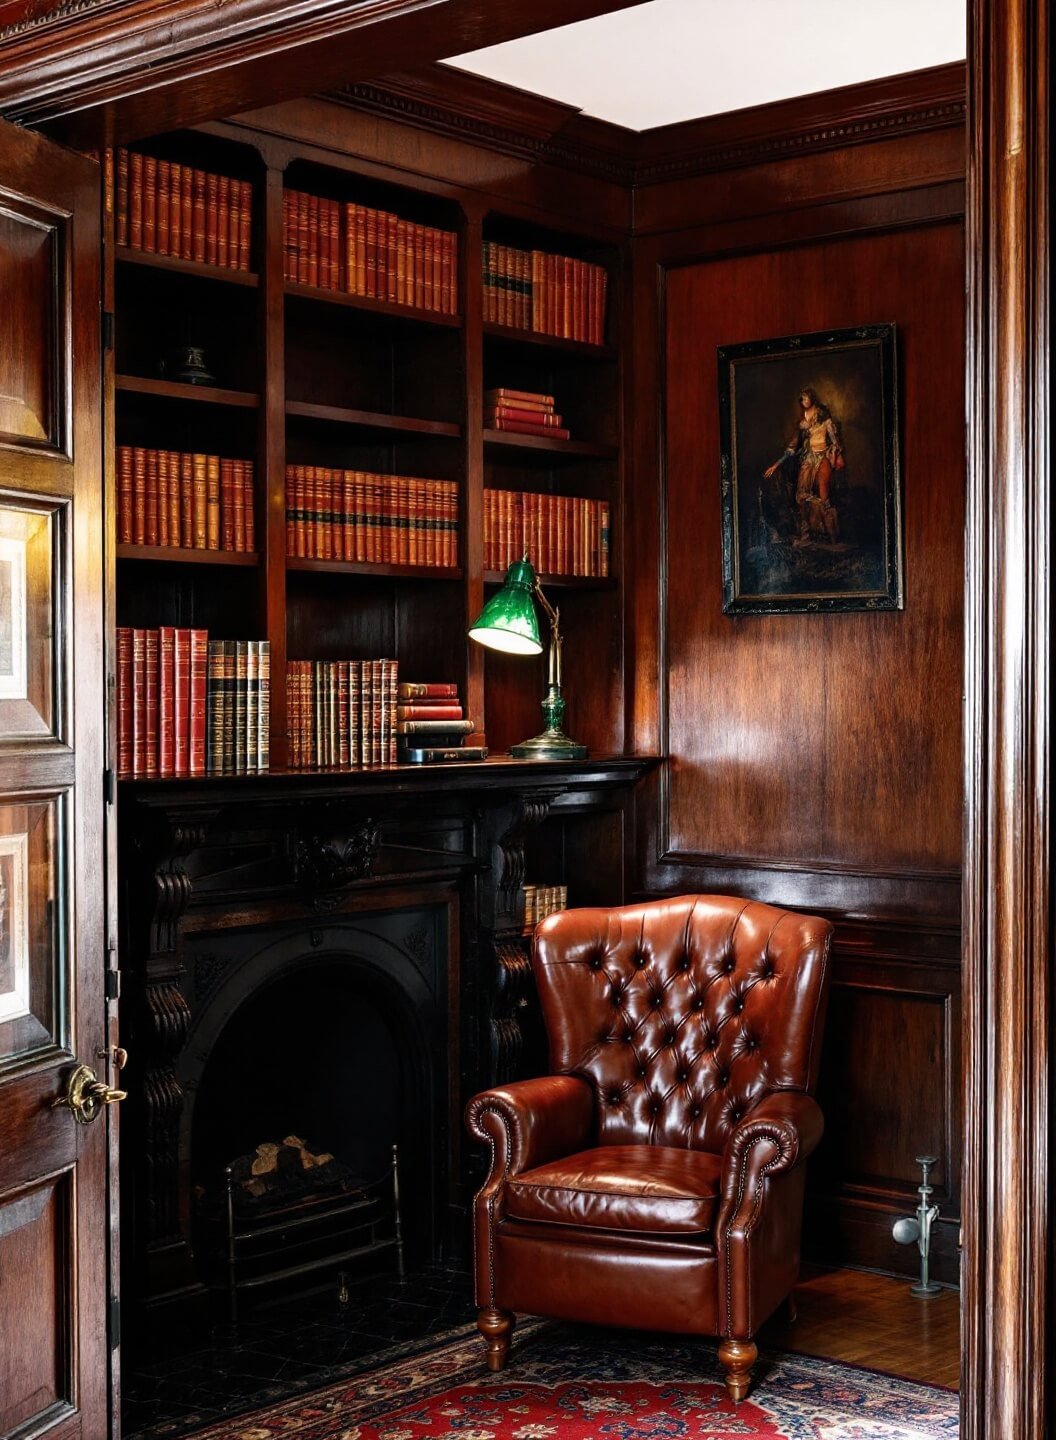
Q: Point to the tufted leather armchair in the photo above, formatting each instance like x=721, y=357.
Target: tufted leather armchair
x=655, y=1179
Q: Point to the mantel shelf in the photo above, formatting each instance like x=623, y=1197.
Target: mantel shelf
x=388, y=309
x=372, y=420
x=500, y=441
x=129, y=256
x=195, y=394
x=187, y=555
x=373, y=569
x=512, y=335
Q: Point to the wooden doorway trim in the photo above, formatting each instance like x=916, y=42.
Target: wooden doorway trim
x=1007, y=1302
x=101, y=72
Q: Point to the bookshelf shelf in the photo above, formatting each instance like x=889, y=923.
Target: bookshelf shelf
x=387, y=309
x=582, y=349
x=126, y=255
x=185, y=555
x=560, y=582
x=371, y=420
x=500, y=443
x=373, y=570
x=194, y=394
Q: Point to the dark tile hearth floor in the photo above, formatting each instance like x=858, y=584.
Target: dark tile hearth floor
x=283, y=1350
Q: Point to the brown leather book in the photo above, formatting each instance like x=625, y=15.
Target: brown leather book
x=150, y=202
x=223, y=219
x=313, y=240
x=135, y=200
x=150, y=702
x=187, y=212
x=417, y=691
x=212, y=218
x=370, y=262
x=239, y=222
x=121, y=198
x=200, y=502
x=139, y=703
x=199, y=647
x=124, y=495
x=161, y=217
x=199, y=204
x=175, y=209
x=513, y=425
x=182, y=704
x=417, y=240
x=175, y=537
x=304, y=229
x=163, y=497
x=151, y=526
x=166, y=701
x=227, y=505
x=124, y=702
x=234, y=507
x=504, y=396
x=212, y=502
x=289, y=239
x=187, y=499
x=214, y=707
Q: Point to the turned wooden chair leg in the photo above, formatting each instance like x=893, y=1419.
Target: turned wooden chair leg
x=790, y=1307
x=737, y=1358
x=496, y=1326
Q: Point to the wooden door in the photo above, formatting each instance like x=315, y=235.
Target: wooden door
x=53, y=1159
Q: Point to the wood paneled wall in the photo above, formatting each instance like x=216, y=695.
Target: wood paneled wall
x=816, y=760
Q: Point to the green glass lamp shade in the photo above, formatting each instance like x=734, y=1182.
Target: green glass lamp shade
x=509, y=621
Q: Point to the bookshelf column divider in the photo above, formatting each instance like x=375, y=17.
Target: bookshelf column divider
x=273, y=437
x=473, y=499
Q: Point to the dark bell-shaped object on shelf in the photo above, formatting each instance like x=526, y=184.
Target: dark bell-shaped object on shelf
x=187, y=364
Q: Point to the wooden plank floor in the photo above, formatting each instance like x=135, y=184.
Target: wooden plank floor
x=872, y=1320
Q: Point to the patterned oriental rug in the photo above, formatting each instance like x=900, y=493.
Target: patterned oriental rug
x=565, y=1383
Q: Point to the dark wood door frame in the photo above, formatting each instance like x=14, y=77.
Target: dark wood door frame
x=114, y=70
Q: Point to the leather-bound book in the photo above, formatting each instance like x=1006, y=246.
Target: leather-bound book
x=139, y=495
x=135, y=200
x=264, y=706
x=121, y=198
x=429, y=712
x=182, y=706
x=200, y=501
x=212, y=218
x=186, y=499
x=252, y=700
x=166, y=702
x=241, y=673
x=416, y=691
x=199, y=224
x=234, y=223
x=343, y=756
x=150, y=700
x=124, y=702
x=164, y=537
x=175, y=209
x=215, y=698
x=187, y=212
x=227, y=506
x=212, y=502
x=223, y=218
x=230, y=704
x=249, y=509
x=197, y=717
x=150, y=202
x=604, y=540
x=139, y=703
x=151, y=529
x=125, y=485
x=161, y=216
x=173, y=497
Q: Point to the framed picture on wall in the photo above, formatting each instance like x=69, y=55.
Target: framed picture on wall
x=811, y=485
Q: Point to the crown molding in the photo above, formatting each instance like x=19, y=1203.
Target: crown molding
x=445, y=100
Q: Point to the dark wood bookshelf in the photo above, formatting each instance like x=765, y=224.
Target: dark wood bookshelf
x=389, y=309
x=187, y=555
x=372, y=420
x=318, y=377
x=513, y=335
x=499, y=442
x=179, y=390
x=560, y=582
x=373, y=569
x=129, y=256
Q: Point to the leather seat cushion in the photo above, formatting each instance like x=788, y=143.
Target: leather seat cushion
x=651, y=1189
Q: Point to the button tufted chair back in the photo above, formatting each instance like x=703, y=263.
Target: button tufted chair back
x=684, y=1012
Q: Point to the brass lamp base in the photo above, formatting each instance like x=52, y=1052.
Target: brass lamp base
x=550, y=745
x=553, y=743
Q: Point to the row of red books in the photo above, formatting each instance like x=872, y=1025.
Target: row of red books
x=551, y=294
x=341, y=713
x=381, y=519
x=170, y=209
x=523, y=412
x=562, y=534
x=369, y=252
x=188, y=501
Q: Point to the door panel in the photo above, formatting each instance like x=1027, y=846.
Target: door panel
x=53, y=1161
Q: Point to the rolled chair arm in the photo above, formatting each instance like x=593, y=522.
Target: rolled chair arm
x=766, y=1145
x=532, y=1121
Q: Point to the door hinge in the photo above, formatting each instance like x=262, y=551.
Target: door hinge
x=109, y=785
x=108, y=329
x=115, y=1322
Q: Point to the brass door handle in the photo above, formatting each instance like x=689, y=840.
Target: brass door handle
x=86, y=1095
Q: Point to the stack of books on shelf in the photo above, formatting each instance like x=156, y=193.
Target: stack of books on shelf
x=380, y=519
x=541, y=901
x=562, y=534
x=185, y=705
x=239, y=706
x=341, y=713
x=188, y=501
x=523, y=412
x=550, y=294
x=369, y=252
x=431, y=725
x=169, y=209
